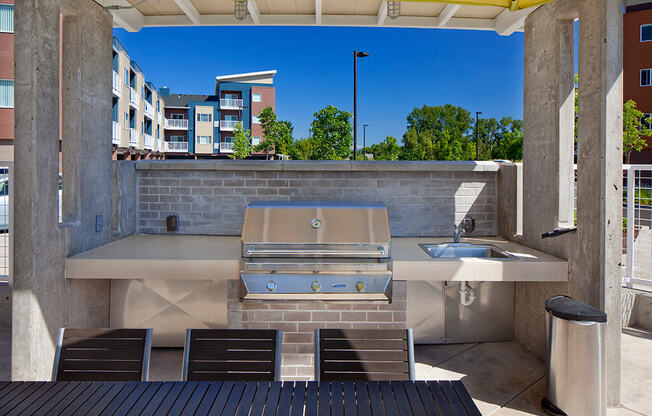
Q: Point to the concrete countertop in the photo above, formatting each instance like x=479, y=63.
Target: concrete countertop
x=218, y=257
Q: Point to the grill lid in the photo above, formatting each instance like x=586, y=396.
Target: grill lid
x=316, y=229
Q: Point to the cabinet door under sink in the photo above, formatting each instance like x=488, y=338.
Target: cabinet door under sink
x=425, y=311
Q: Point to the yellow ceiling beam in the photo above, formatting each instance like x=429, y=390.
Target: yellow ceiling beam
x=512, y=5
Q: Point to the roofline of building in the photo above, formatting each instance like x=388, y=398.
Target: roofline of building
x=271, y=72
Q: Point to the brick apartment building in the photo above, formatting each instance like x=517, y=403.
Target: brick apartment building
x=202, y=126
x=637, y=63
x=6, y=80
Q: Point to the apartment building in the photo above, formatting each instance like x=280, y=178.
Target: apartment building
x=637, y=63
x=138, y=122
x=6, y=80
x=202, y=126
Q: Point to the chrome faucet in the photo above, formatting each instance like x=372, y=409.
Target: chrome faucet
x=467, y=227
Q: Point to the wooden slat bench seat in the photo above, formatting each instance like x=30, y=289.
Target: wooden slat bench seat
x=102, y=355
x=365, y=354
x=232, y=355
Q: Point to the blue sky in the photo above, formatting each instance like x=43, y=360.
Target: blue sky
x=407, y=68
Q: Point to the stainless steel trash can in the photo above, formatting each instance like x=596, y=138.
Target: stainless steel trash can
x=575, y=352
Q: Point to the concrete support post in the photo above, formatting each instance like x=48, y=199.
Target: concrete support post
x=599, y=163
x=43, y=300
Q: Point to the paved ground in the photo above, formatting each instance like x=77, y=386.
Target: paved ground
x=503, y=379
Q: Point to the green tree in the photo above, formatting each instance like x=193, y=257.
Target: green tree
x=508, y=141
x=278, y=133
x=635, y=129
x=331, y=134
x=388, y=149
x=301, y=149
x=241, y=142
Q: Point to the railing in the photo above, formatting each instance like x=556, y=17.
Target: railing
x=133, y=98
x=115, y=136
x=149, y=109
x=229, y=125
x=176, y=147
x=179, y=124
x=149, y=141
x=134, y=137
x=116, y=84
x=226, y=147
x=230, y=103
x=637, y=225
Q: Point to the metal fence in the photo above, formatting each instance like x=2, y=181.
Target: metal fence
x=637, y=226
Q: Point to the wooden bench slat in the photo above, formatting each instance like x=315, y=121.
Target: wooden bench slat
x=272, y=399
x=85, y=409
x=209, y=398
x=426, y=399
x=195, y=399
x=349, y=399
x=234, y=398
x=100, y=365
x=83, y=397
x=237, y=366
x=285, y=398
x=377, y=408
x=311, y=398
x=440, y=398
x=358, y=355
x=101, y=354
x=389, y=401
x=258, y=403
x=163, y=399
x=298, y=398
x=183, y=397
x=333, y=333
x=466, y=399
x=216, y=355
x=28, y=395
x=134, y=333
x=55, y=394
x=98, y=376
x=363, y=398
x=117, y=389
x=401, y=399
x=233, y=334
x=452, y=397
x=335, y=376
x=337, y=405
x=247, y=398
x=366, y=366
x=137, y=407
x=225, y=376
x=230, y=344
x=104, y=343
x=324, y=408
x=414, y=399
x=363, y=344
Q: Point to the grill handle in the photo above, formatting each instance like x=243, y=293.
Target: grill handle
x=309, y=252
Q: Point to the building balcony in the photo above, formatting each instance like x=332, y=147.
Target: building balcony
x=149, y=110
x=226, y=147
x=134, y=99
x=176, y=124
x=115, y=136
x=229, y=125
x=171, y=147
x=230, y=104
x=149, y=141
x=134, y=138
x=116, y=84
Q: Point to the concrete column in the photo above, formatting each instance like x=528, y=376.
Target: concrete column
x=599, y=164
x=43, y=300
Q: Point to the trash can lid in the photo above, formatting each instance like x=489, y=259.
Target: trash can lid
x=570, y=309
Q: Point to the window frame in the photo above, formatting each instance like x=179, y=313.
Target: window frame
x=208, y=138
x=256, y=140
x=13, y=93
x=255, y=120
x=253, y=97
x=640, y=79
x=641, y=32
x=13, y=24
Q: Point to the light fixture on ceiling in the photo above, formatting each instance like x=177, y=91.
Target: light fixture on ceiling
x=240, y=9
x=393, y=9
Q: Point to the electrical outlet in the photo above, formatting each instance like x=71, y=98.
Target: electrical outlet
x=99, y=223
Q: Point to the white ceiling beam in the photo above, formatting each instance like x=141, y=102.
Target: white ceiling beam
x=189, y=10
x=508, y=22
x=447, y=14
x=382, y=13
x=318, y=12
x=252, y=7
x=424, y=22
x=130, y=19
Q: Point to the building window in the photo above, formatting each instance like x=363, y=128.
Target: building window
x=230, y=96
x=255, y=120
x=646, y=33
x=229, y=117
x=646, y=121
x=6, y=18
x=177, y=139
x=178, y=116
x=203, y=139
x=646, y=77
x=256, y=97
x=6, y=93
x=255, y=140
x=204, y=117
x=126, y=77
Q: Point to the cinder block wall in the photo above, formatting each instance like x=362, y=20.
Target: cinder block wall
x=298, y=321
x=423, y=198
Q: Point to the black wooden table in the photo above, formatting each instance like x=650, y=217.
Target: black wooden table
x=395, y=398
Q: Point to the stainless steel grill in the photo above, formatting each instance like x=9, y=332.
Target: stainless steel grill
x=316, y=251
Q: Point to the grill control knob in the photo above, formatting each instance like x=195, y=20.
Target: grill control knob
x=271, y=285
x=360, y=286
x=315, y=286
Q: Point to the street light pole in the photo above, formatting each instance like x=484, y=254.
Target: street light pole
x=477, y=136
x=364, y=139
x=356, y=55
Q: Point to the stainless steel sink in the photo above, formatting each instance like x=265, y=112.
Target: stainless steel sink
x=464, y=250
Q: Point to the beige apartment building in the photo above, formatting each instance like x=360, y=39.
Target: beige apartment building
x=137, y=113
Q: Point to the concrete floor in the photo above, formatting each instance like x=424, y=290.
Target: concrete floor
x=502, y=378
